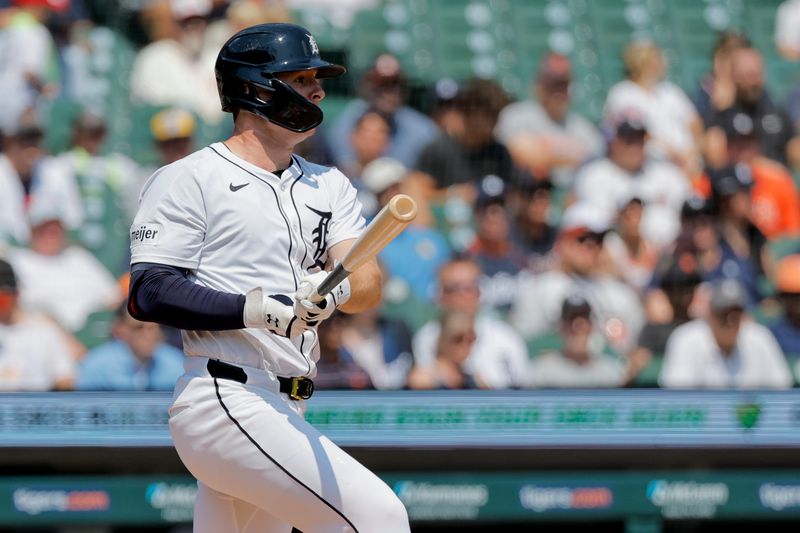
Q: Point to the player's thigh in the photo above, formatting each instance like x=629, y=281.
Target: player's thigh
x=215, y=512
x=260, y=450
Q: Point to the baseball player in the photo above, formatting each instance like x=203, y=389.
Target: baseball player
x=227, y=245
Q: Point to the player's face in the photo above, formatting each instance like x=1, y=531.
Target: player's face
x=306, y=84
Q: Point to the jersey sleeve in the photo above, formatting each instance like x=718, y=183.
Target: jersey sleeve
x=170, y=225
x=347, y=221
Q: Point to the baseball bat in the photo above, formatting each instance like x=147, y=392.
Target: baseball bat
x=387, y=224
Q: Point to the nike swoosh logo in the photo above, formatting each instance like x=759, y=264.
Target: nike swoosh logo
x=235, y=188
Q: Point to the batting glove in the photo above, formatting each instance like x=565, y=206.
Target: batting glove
x=274, y=312
x=314, y=313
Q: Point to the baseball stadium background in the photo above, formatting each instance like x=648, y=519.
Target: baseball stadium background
x=637, y=459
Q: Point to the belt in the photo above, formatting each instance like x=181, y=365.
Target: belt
x=299, y=388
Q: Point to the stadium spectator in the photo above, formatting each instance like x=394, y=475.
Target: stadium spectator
x=462, y=160
x=30, y=179
x=531, y=229
x=27, y=48
x=542, y=133
x=725, y=350
x=580, y=362
x=500, y=260
x=628, y=171
x=381, y=346
x=670, y=117
x=34, y=355
x=580, y=267
x=498, y=357
x=179, y=70
x=787, y=329
x=633, y=256
x=371, y=136
x=787, y=20
x=678, y=278
x=383, y=87
x=109, y=185
x=775, y=198
x=716, y=90
x=173, y=131
x=454, y=347
x=136, y=359
x=414, y=257
x=771, y=125
x=336, y=367
x=61, y=280
x=742, y=244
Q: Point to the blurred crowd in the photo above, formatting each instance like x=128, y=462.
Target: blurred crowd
x=658, y=246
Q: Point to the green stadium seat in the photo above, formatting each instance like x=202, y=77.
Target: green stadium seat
x=648, y=377
x=97, y=329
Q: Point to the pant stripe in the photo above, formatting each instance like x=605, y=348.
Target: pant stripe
x=268, y=456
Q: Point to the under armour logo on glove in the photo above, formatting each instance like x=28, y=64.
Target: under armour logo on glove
x=274, y=312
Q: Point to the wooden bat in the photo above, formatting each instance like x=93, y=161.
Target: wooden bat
x=387, y=224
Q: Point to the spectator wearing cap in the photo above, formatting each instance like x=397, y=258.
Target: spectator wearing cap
x=770, y=125
x=383, y=87
x=776, y=204
x=633, y=256
x=179, y=70
x=109, y=186
x=542, y=133
x=455, y=164
x=28, y=52
x=627, y=170
x=742, y=244
x=173, y=132
x=501, y=260
x=670, y=117
x=34, y=355
x=31, y=180
x=63, y=281
x=724, y=350
x=580, y=266
x=787, y=329
x=580, y=362
x=136, y=359
x=498, y=357
x=413, y=258
x=532, y=230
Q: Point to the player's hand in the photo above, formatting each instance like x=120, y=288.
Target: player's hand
x=311, y=312
x=274, y=312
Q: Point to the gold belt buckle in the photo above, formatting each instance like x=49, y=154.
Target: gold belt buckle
x=302, y=388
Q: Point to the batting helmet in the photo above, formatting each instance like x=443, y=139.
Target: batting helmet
x=254, y=56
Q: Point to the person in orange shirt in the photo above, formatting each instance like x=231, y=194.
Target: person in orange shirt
x=775, y=198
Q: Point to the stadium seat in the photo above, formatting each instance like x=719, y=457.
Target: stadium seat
x=97, y=329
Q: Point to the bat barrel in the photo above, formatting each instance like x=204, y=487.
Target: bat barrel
x=403, y=208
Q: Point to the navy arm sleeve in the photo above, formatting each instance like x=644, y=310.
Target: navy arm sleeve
x=164, y=294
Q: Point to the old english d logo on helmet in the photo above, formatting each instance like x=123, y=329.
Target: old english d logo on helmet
x=253, y=57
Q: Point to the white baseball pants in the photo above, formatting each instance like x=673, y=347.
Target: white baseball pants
x=262, y=468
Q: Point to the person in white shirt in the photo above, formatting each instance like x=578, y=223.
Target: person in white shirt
x=672, y=120
x=498, y=358
x=627, y=171
x=29, y=178
x=179, y=71
x=65, y=282
x=580, y=362
x=543, y=134
x=787, y=22
x=581, y=267
x=34, y=353
x=725, y=350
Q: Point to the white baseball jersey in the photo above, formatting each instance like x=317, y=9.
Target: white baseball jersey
x=235, y=226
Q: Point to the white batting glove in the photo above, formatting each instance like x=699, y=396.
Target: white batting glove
x=274, y=312
x=314, y=313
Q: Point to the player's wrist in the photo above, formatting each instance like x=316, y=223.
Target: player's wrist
x=341, y=293
x=253, y=314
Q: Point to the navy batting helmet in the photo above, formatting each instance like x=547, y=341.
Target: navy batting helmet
x=254, y=56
